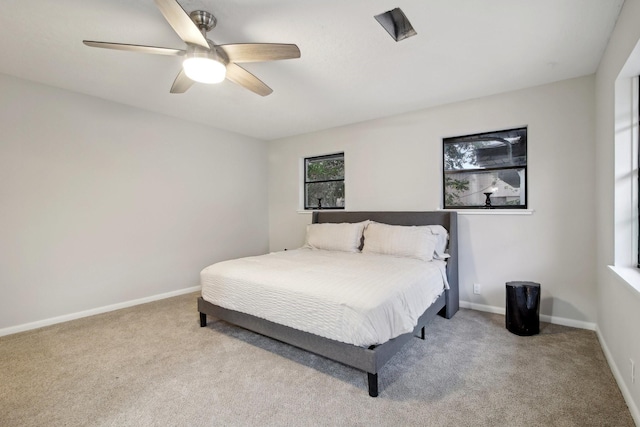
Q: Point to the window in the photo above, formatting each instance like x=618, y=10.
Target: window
x=626, y=189
x=324, y=182
x=485, y=170
x=637, y=146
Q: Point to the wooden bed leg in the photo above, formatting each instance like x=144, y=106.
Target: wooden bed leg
x=373, y=384
x=422, y=333
x=203, y=320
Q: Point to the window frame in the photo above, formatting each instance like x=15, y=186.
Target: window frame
x=625, y=153
x=305, y=181
x=637, y=169
x=477, y=137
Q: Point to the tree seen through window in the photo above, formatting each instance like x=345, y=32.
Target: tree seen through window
x=324, y=182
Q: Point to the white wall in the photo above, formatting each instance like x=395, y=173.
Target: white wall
x=395, y=164
x=618, y=303
x=103, y=204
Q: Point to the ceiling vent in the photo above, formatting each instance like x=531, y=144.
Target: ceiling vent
x=396, y=24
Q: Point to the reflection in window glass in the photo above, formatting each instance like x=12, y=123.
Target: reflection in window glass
x=486, y=170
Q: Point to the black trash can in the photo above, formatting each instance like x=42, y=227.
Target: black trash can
x=523, y=308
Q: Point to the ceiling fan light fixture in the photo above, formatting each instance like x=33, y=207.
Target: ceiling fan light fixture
x=204, y=69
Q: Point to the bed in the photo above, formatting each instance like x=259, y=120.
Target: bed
x=360, y=350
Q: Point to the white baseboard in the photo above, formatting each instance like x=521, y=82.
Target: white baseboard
x=543, y=317
x=628, y=398
x=67, y=317
x=482, y=307
x=86, y=313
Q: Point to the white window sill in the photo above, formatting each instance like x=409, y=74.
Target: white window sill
x=309, y=211
x=491, y=211
x=465, y=211
x=629, y=276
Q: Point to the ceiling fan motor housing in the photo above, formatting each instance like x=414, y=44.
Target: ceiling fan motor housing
x=214, y=52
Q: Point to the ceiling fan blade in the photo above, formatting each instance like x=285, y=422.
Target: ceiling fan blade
x=240, y=76
x=181, y=23
x=135, y=48
x=182, y=83
x=254, y=52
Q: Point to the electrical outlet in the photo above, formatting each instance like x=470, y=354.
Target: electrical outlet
x=476, y=288
x=633, y=371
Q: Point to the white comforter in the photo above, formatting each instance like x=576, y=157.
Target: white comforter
x=360, y=299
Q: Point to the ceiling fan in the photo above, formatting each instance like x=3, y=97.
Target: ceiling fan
x=205, y=61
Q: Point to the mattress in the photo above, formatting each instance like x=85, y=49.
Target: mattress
x=356, y=298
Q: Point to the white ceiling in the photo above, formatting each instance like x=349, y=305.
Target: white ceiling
x=350, y=70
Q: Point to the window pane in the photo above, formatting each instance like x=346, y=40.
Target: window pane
x=325, y=168
x=325, y=195
x=467, y=189
x=486, y=151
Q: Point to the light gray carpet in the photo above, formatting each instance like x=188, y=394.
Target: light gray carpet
x=153, y=365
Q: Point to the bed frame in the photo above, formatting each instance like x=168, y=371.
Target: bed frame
x=366, y=359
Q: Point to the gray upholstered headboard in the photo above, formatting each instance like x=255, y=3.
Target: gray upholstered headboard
x=448, y=220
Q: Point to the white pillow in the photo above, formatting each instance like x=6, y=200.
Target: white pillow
x=345, y=237
x=442, y=237
x=399, y=240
